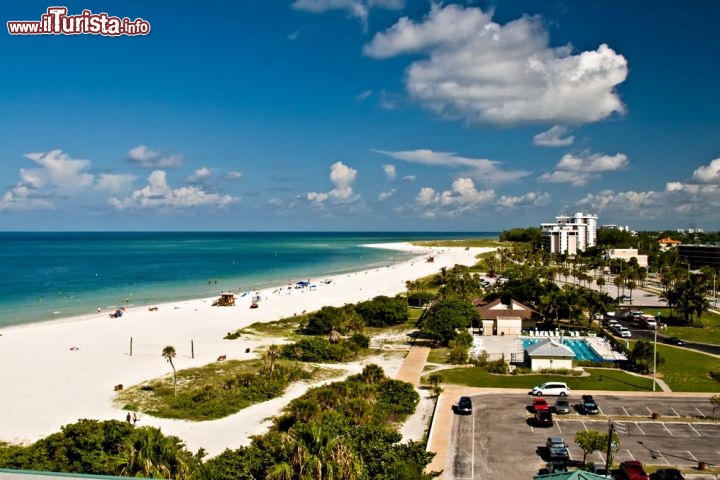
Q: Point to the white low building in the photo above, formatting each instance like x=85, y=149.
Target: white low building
x=626, y=254
x=547, y=354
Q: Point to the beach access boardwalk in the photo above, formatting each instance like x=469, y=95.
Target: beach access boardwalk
x=413, y=365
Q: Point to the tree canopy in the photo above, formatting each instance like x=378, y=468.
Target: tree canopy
x=445, y=317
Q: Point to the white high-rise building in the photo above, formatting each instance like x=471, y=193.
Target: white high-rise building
x=570, y=234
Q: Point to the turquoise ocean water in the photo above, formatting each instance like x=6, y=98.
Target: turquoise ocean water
x=50, y=275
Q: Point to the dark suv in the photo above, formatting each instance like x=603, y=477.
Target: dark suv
x=464, y=406
x=589, y=406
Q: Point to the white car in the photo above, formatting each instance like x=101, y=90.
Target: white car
x=551, y=388
x=624, y=332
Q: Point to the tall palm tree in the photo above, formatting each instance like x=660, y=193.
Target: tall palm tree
x=168, y=354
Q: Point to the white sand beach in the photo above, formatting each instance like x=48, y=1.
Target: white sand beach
x=46, y=384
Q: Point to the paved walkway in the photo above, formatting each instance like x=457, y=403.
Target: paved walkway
x=413, y=365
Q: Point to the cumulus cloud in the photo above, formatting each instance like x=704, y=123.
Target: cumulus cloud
x=462, y=196
x=146, y=158
x=199, y=175
x=58, y=176
x=390, y=172
x=578, y=170
x=342, y=178
x=481, y=170
x=535, y=199
x=481, y=71
x=158, y=194
x=708, y=173
x=552, y=137
x=354, y=8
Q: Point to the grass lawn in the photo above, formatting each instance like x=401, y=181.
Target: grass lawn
x=215, y=390
x=688, y=371
x=710, y=333
x=599, y=379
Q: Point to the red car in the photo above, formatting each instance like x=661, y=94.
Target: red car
x=539, y=403
x=633, y=470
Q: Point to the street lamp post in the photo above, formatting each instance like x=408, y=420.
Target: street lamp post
x=657, y=325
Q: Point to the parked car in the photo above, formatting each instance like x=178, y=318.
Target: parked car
x=624, y=332
x=539, y=403
x=589, y=406
x=667, y=474
x=543, y=418
x=633, y=470
x=464, y=406
x=551, y=388
x=562, y=405
x=599, y=469
x=674, y=341
x=557, y=449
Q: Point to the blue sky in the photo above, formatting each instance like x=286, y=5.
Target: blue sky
x=363, y=115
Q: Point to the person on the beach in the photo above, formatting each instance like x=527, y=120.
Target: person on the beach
x=134, y=419
x=128, y=417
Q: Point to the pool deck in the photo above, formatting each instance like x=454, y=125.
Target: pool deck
x=599, y=344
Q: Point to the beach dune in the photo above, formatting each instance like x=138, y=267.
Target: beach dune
x=54, y=373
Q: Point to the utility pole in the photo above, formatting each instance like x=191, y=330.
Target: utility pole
x=657, y=325
x=609, y=445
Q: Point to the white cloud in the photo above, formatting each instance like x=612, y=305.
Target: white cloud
x=354, y=8
x=385, y=195
x=481, y=170
x=342, y=178
x=390, y=172
x=158, y=194
x=294, y=35
x=408, y=178
x=482, y=71
x=56, y=175
x=579, y=170
x=551, y=137
x=113, y=183
x=534, y=199
x=65, y=174
x=233, y=176
x=709, y=173
x=199, y=175
x=462, y=196
x=146, y=158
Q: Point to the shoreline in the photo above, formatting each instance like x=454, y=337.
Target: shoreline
x=50, y=385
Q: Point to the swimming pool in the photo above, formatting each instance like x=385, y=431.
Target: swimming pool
x=580, y=347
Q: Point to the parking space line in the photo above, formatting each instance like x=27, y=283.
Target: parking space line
x=693, y=456
x=472, y=465
x=627, y=414
x=676, y=413
x=667, y=429
x=659, y=454
x=701, y=413
x=557, y=424
x=630, y=453
x=693, y=429
x=649, y=411
x=638, y=427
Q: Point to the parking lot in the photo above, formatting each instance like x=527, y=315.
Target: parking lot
x=499, y=440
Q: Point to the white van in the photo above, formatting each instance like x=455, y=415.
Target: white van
x=551, y=388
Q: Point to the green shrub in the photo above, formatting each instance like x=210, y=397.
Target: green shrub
x=498, y=367
x=362, y=341
x=319, y=349
x=383, y=311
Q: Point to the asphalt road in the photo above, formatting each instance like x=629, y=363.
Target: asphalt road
x=499, y=441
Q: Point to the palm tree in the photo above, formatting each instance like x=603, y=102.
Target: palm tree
x=314, y=452
x=153, y=455
x=273, y=353
x=334, y=336
x=168, y=354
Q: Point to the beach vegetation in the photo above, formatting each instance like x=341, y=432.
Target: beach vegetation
x=383, y=311
x=529, y=235
x=347, y=428
x=288, y=327
x=108, y=447
x=322, y=350
x=218, y=389
x=445, y=317
x=342, y=319
x=419, y=299
x=467, y=243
